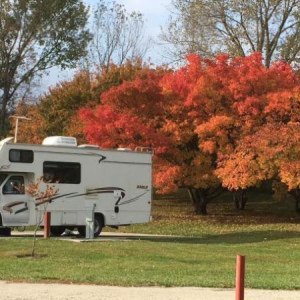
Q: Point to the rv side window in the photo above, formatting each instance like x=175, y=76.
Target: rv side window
x=61, y=172
x=14, y=185
x=22, y=156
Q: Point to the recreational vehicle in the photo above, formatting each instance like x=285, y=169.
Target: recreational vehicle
x=114, y=187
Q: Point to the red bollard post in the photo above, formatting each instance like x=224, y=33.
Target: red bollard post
x=240, y=277
x=47, y=222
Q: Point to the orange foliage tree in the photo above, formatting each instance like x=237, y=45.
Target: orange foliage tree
x=269, y=150
x=31, y=130
x=56, y=111
x=53, y=113
x=230, y=102
x=199, y=119
x=271, y=153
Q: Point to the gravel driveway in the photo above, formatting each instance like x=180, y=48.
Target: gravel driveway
x=27, y=291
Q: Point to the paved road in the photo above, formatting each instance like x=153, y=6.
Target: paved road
x=26, y=291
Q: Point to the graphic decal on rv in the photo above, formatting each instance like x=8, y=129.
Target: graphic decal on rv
x=133, y=199
x=9, y=207
x=5, y=167
x=111, y=190
x=104, y=190
x=53, y=198
x=102, y=158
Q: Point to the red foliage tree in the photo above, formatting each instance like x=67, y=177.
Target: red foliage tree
x=200, y=120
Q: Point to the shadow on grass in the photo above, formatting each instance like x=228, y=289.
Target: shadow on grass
x=228, y=238
x=261, y=208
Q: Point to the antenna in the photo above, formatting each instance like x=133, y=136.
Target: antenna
x=17, y=124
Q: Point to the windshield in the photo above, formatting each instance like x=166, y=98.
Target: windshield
x=2, y=177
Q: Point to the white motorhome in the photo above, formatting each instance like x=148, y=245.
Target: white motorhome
x=114, y=186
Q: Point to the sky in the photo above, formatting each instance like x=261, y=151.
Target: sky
x=154, y=11
x=155, y=14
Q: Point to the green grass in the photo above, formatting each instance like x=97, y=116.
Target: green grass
x=201, y=252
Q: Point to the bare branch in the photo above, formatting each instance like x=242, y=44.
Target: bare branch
x=237, y=27
x=118, y=35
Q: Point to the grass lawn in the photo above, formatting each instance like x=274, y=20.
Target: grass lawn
x=268, y=233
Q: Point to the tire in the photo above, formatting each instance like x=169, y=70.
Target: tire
x=81, y=230
x=57, y=230
x=98, y=225
x=5, y=231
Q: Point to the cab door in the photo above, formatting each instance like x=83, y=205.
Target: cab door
x=14, y=202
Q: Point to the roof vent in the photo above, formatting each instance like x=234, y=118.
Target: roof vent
x=124, y=149
x=88, y=146
x=65, y=141
x=6, y=141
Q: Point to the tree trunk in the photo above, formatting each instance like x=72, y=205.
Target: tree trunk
x=240, y=199
x=200, y=200
x=2, y=122
x=3, y=114
x=296, y=194
x=192, y=196
x=298, y=205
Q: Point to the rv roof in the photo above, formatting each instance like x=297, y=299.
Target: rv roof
x=60, y=141
x=6, y=140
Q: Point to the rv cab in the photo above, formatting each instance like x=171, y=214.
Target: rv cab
x=13, y=199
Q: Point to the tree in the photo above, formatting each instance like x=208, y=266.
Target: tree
x=143, y=112
x=225, y=99
x=132, y=115
x=196, y=118
x=233, y=97
x=270, y=152
x=42, y=194
x=118, y=35
x=62, y=102
x=32, y=129
x=35, y=36
x=115, y=122
x=239, y=28
x=116, y=74
x=56, y=112
x=53, y=113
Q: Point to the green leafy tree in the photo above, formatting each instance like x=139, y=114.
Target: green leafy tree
x=36, y=35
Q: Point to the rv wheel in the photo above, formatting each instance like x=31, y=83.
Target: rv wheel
x=57, y=230
x=81, y=230
x=98, y=225
x=5, y=231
